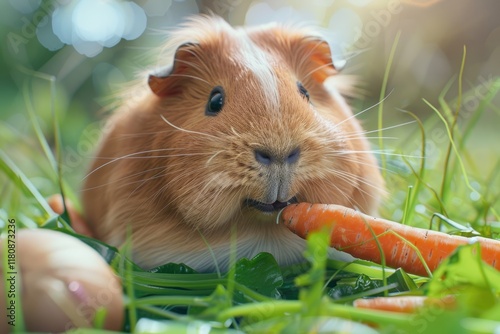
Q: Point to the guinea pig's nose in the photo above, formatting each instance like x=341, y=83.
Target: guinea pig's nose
x=266, y=158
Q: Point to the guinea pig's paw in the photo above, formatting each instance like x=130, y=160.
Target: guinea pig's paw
x=64, y=284
x=56, y=203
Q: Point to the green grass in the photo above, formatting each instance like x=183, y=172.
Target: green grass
x=448, y=186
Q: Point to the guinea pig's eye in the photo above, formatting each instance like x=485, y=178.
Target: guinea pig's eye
x=215, y=101
x=302, y=90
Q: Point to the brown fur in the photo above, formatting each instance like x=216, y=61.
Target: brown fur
x=180, y=182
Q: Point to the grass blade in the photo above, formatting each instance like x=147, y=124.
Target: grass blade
x=457, y=153
x=421, y=171
x=34, y=122
x=492, y=93
x=445, y=185
x=23, y=183
x=381, y=99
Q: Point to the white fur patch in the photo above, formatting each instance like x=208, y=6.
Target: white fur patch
x=257, y=61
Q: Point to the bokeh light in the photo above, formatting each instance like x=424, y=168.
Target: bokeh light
x=263, y=13
x=344, y=27
x=156, y=7
x=360, y=3
x=91, y=25
x=25, y=6
x=361, y=31
x=46, y=35
x=98, y=21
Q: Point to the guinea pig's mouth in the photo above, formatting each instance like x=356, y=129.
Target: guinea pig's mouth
x=269, y=208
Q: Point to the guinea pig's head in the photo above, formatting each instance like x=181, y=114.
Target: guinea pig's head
x=251, y=126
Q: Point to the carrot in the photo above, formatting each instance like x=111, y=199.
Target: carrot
x=404, y=304
x=353, y=232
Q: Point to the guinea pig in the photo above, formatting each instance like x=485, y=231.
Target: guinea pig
x=238, y=123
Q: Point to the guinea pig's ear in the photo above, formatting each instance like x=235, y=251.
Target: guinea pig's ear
x=165, y=81
x=315, y=54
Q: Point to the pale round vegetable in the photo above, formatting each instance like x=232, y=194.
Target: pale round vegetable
x=61, y=283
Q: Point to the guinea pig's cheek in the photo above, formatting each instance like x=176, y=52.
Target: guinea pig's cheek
x=212, y=202
x=219, y=180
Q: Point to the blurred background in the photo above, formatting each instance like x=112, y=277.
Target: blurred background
x=71, y=56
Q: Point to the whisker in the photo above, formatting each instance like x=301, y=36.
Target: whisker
x=354, y=181
x=143, y=134
x=365, y=110
x=318, y=68
x=122, y=179
x=189, y=76
x=360, y=161
x=350, y=177
x=122, y=157
x=187, y=131
x=383, y=129
x=143, y=182
x=162, y=156
x=384, y=152
x=213, y=156
x=360, y=136
x=131, y=156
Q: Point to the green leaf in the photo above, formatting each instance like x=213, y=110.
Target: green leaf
x=435, y=320
x=402, y=280
x=261, y=274
x=218, y=301
x=288, y=290
x=464, y=267
x=348, y=288
x=311, y=283
x=475, y=284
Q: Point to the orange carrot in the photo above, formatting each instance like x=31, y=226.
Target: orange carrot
x=404, y=304
x=351, y=232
